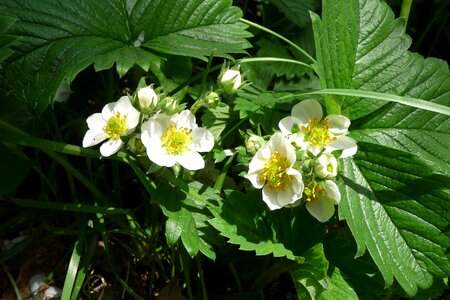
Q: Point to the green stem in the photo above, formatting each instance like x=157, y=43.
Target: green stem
x=201, y=277
x=277, y=59
x=221, y=178
x=13, y=282
x=405, y=9
x=278, y=36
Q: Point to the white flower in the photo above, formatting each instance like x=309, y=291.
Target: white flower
x=230, y=80
x=147, y=97
x=117, y=119
x=176, y=139
x=306, y=129
x=321, y=197
x=271, y=169
x=37, y=284
x=325, y=166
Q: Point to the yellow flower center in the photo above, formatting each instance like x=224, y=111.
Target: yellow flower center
x=317, y=133
x=116, y=126
x=313, y=191
x=274, y=172
x=176, y=141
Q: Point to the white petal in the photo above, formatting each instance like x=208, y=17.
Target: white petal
x=345, y=143
x=186, y=119
x=276, y=200
x=94, y=137
x=332, y=192
x=286, y=124
x=297, y=184
x=151, y=133
x=108, y=110
x=110, y=147
x=339, y=124
x=133, y=118
x=270, y=198
x=254, y=177
x=278, y=143
x=191, y=160
x=96, y=121
x=202, y=140
x=163, y=120
x=123, y=105
x=53, y=292
x=36, y=281
x=307, y=110
x=322, y=209
x=313, y=149
x=159, y=156
x=254, y=169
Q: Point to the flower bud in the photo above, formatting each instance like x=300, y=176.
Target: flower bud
x=325, y=166
x=147, y=98
x=170, y=106
x=253, y=143
x=135, y=144
x=211, y=99
x=230, y=80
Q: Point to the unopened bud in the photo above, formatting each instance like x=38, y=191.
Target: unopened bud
x=135, y=144
x=230, y=80
x=325, y=166
x=212, y=99
x=147, y=98
x=253, y=143
x=170, y=105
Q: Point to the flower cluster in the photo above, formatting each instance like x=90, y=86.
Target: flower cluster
x=299, y=164
x=153, y=123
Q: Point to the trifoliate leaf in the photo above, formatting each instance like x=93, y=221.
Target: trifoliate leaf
x=59, y=39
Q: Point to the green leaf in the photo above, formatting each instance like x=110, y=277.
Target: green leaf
x=339, y=288
x=187, y=218
x=310, y=275
x=360, y=46
x=59, y=39
x=216, y=119
x=72, y=270
x=5, y=39
x=296, y=10
x=265, y=109
x=395, y=202
x=398, y=208
x=246, y=221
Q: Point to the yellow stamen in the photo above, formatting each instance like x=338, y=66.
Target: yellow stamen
x=313, y=191
x=317, y=133
x=176, y=141
x=274, y=172
x=116, y=126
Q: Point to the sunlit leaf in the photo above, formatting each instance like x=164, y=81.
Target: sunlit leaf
x=59, y=39
x=395, y=202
